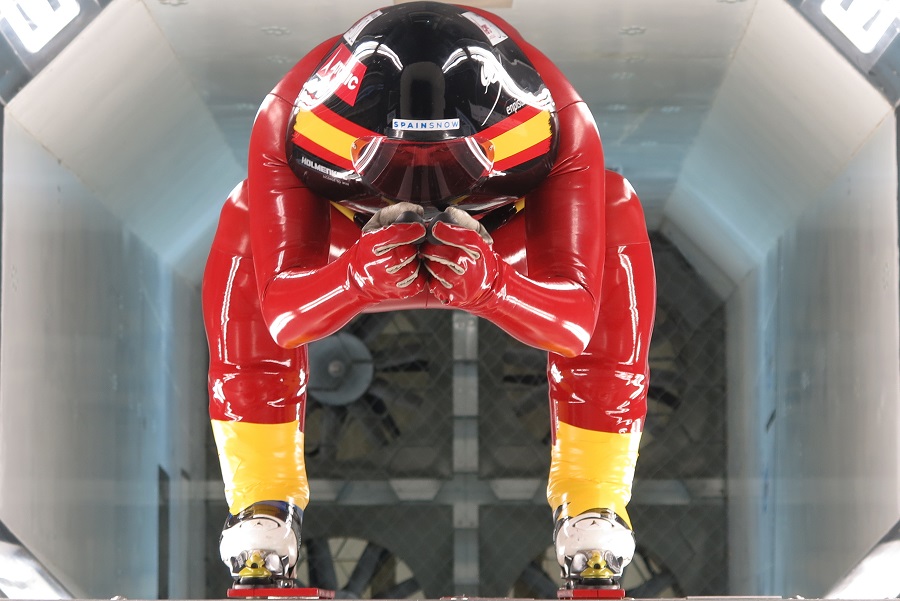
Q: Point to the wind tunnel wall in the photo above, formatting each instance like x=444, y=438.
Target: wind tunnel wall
x=787, y=204
x=114, y=173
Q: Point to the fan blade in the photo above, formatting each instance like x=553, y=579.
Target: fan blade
x=385, y=390
x=539, y=583
x=371, y=559
x=370, y=325
x=381, y=424
x=321, y=564
x=311, y=441
x=332, y=421
x=401, y=590
x=405, y=355
x=525, y=358
x=665, y=376
x=664, y=396
x=537, y=398
x=664, y=326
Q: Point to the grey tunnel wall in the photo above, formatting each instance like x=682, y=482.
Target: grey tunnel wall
x=107, y=187
x=788, y=205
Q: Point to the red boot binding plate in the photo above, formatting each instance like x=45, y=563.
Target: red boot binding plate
x=591, y=593
x=288, y=592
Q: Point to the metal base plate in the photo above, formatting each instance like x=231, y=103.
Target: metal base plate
x=290, y=592
x=612, y=592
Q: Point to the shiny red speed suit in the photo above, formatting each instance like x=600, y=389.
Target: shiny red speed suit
x=576, y=275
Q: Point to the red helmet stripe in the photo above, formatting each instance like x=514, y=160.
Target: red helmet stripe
x=327, y=135
x=345, y=125
x=533, y=151
x=527, y=139
x=519, y=117
x=320, y=151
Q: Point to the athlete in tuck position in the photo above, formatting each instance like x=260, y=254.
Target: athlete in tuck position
x=428, y=158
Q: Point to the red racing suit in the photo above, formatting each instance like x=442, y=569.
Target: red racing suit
x=575, y=278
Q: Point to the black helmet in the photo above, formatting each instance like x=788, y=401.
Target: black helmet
x=428, y=103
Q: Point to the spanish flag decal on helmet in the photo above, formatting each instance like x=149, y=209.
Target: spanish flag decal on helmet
x=523, y=136
x=328, y=136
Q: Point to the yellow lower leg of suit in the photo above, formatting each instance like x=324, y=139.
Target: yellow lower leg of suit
x=591, y=470
x=261, y=462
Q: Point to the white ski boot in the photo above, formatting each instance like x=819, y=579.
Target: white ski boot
x=593, y=548
x=261, y=543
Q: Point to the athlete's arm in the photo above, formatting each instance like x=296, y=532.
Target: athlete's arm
x=303, y=297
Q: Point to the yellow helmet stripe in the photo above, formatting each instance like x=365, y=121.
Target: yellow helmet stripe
x=524, y=141
x=324, y=135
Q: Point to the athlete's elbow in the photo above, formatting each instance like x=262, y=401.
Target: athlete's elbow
x=575, y=339
x=281, y=331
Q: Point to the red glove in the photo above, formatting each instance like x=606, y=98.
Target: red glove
x=466, y=273
x=385, y=264
x=461, y=262
x=306, y=305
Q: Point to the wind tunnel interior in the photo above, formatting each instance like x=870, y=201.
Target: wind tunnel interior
x=774, y=454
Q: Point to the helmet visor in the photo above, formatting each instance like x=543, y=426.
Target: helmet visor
x=422, y=172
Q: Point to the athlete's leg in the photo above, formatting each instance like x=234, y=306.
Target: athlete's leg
x=598, y=399
x=256, y=388
x=257, y=392
x=599, y=403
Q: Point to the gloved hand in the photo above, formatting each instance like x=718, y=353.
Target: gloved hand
x=385, y=263
x=458, y=255
x=555, y=314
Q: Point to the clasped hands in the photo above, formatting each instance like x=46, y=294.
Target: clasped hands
x=460, y=267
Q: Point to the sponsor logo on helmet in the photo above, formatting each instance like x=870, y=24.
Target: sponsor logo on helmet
x=354, y=31
x=326, y=171
x=494, y=34
x=514, y=106
x=493, y=72
x=339, y=75
x=425, y=124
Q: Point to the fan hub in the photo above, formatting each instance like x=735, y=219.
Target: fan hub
x=340, y=369
x=337, y=368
